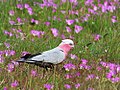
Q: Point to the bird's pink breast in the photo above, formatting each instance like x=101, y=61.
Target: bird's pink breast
x=66, y=48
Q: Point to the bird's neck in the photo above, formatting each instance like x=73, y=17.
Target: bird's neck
x=65, y=47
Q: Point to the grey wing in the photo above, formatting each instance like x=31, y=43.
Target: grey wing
x=54, y=56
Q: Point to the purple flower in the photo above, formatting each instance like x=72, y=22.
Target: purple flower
x=87, y=67
x=15, y=63
x=33, y=73
x=77, y=85
x=42, y=6
x=73, y=56
x=73, y=1
x=35, y=33
x=5, y=88
x=48, y=86
x=19, y=20
x=6, y=32
x=34, y=21
x=106, y=3
x=97, y=37
x=67, y=86
x=113, y=72
x=88, y=2
x=9, y=52
x=30, y=11
x=54, y=32
x=118, y=69
x=85, y=18
x=68, y=29
x=77, y=20
x=54, y=10
x=95, y=8
x=1, y=53
x=70, y=22
x=97, y=77
x=71, y=12
x=104, y=64
x=54, y=6
x=47, y=23
x=82, y=66
x=20, y=6
x=104, y=9
x=10, y=67
x=111, y=8
x=113, y=19
x=109, y=76
x=14, y=84
x=7, y=45
x=54, y=17
x=63, y=11
x=1, y=59
x=12, y=22
x=78, y=28
x=63, y=36
x=69, y=66
x=91, y=11
x=116, y=79
x=63, y=1
x=19, y=31
x=99, y=68
x=76, y=12
x=26, y=5
x=90, y=76
x=71, y=37
x=42, y=32
x=111, y=66
x=11, y=13
x=77, y=74
x=59, y=19
x=68, y=76
x=84, y=61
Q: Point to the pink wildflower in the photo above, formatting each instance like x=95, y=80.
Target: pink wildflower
x=78, y=28
x=54, y=32
x=70, y=22
x=11, y=13
x=14, y=84
x=48, y=86
x=67, y=86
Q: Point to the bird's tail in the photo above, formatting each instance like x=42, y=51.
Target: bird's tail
x=24, y=58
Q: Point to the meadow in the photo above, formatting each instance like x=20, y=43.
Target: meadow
x=32, y=26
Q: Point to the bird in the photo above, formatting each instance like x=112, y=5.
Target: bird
x=48, y=59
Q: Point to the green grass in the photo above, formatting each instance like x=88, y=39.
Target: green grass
x=96, y=51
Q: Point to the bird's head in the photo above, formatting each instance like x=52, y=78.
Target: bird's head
x=66, y=45
x=68, y=42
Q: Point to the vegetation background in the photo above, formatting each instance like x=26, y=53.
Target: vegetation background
x=32, y=26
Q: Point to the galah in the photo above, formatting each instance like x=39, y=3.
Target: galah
x=48, y=59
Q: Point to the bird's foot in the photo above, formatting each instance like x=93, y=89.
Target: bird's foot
x=48, y=66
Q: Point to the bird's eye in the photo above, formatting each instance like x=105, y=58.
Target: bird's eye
x=70, y=44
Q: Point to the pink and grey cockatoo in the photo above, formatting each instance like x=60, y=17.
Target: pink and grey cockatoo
x=51, y=57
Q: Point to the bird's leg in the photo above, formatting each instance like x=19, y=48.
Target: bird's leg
x=47, y=65
x=43, y=72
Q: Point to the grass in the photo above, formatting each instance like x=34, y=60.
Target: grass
x=106, y=49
